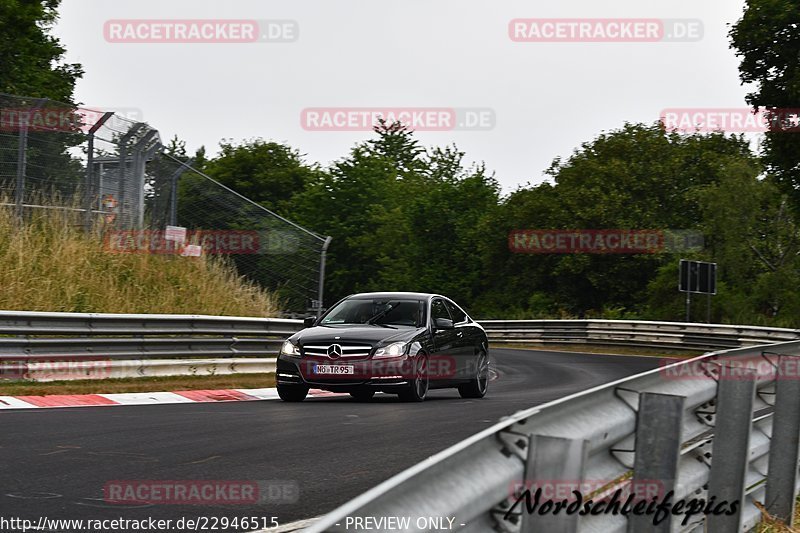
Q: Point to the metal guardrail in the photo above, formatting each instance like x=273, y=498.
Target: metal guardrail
x=141, y=368
x=50, y=336
x=717, y=425
x=688, y=425
x=676, y=335
x=31, y=337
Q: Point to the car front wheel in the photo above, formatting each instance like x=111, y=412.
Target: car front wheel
x=479, y=383
x=292, y=393
x=417, y=388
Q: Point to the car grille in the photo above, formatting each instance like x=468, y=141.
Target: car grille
x=349, y=351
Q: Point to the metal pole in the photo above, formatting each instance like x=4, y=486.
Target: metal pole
x=731, y=449
x=145, y=156
x=785, y=441
x=321, y=291
x=88, y=187
x=173, y=194
x=22, y=150
x=688, y=306
x=123, y=156
x=139, y=155
x=22, y=157
x=708, y=308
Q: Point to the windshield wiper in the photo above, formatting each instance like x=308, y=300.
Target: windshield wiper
x=379, y=315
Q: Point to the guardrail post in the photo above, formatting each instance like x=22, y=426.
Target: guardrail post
x=785, y=442
x=731, y=448
x=553, y=463
x=658, y=442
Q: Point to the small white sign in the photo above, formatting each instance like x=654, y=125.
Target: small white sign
x=176, y=234
x=192, y=250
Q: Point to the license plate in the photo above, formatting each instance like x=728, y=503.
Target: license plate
x=333, y=369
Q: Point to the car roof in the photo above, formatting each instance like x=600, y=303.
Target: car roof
x=408, y=295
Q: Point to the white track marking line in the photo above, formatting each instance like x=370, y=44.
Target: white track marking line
x=145, y=398
x=10, y=402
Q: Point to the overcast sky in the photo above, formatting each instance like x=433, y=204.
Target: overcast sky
x=545, y=97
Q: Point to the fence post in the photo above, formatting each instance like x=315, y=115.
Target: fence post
x=89, y=186
x=22, y=157
x=123, y=162
x=138, y=156
x=659, y=424
x=555, y=462
x=783, y=449
x=321, y=288
x=146, y=155
x=731, y=449
x=173, y=193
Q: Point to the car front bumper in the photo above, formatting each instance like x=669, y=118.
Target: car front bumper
x=396, y=371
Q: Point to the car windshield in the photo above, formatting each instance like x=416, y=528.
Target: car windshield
x=378, y=312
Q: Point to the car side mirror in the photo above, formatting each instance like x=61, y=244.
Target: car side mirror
x=443, y=323
x=309, y=321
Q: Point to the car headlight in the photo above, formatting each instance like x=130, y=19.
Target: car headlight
x=395, y=349
x=290, y=349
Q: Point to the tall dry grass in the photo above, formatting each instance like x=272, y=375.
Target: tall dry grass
x=49, y=263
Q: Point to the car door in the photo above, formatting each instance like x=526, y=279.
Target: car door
x=446, y=363
x=466, y=342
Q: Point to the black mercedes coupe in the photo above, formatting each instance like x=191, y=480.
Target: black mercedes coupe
x=402, y=343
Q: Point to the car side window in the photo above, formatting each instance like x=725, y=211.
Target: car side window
x=439, y=310
x=459, y=316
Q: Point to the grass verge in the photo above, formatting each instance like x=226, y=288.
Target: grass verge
x=770, y=525
x=156, y=384
x=49, y=263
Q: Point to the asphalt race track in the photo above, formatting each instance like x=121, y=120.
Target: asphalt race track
x=55, y=462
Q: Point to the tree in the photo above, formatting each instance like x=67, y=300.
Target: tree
x=268, y=173
x=32, y=66
x=767, y=39
x=402, y=217
x=637, y=177
x=32, y=59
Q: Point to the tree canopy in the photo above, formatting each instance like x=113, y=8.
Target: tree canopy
x=32, y=59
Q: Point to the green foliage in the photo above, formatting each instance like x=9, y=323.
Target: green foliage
x=267, y=173
x=638, y=177
x=401, y=217
x=405, y=217
x=31, y=58
x=31, y=64
x=767, y=39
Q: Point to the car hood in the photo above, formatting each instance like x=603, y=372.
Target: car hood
x=366, y=334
